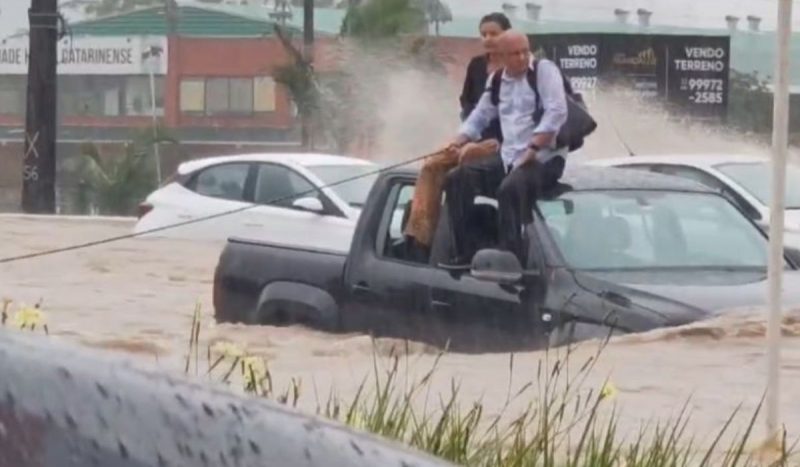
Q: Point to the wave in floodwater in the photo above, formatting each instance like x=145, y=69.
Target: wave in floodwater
x=736, y=324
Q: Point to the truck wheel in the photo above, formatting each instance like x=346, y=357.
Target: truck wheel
x=575, y=331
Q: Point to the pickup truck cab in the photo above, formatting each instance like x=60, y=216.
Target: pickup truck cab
x=609, y=251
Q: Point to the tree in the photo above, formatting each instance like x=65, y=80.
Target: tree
x=749, y=104
x=436, y=12
x=380, y=38
x=383, y=19
x=115, y=185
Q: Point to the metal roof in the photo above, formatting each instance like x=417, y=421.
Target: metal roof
x=584, y=178
x=694, y=160
x=193, y=20
x=580, y=177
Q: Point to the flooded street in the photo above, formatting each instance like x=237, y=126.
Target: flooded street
x=137, y=297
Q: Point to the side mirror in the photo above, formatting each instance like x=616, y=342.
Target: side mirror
x=310, y=204
x=498, y=266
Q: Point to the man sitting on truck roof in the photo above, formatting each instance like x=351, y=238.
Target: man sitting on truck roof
x=529, y=159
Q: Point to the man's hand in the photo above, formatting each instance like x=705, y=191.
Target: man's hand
x=457, y=143
x=528, y=158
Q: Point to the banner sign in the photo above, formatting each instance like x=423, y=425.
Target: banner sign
x=86, y=55
x=689, y=73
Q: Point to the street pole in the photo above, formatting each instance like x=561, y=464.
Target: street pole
x=39, y=161
x=307, y=135
x=155, y=123
x=151, y=56
x=780, y=141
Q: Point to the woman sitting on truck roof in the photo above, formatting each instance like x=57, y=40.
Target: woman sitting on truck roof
x=428, y=193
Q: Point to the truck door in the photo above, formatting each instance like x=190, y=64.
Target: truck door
x=387, y=282
x=484, y=313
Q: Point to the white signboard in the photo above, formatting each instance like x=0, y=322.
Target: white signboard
x=87, y=55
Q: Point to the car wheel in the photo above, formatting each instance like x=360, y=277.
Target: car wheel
x=574, y=331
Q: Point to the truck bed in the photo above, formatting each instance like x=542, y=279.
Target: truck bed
x=247, y=267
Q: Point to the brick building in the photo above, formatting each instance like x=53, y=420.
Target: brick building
x=213, y=78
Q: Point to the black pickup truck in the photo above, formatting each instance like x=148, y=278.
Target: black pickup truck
x=610, y=251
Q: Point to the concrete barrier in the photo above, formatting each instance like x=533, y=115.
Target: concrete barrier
x=71, y=407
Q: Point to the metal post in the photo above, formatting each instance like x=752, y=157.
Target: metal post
x=308, y=55
x=39, y=162
x=780, y=138
x=153, y=61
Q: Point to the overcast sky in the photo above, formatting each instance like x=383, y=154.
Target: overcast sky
x=698, y=13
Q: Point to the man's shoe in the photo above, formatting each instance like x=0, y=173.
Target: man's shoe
x=457, y=264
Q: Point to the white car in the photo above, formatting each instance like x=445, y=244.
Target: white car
x=744, y=179
x=294, y=204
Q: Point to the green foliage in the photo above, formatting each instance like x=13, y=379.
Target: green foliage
x=115, y=185
x=382, y=37
x=435, y=10
x=749, y=104
x=383, y=19
x=300, y=82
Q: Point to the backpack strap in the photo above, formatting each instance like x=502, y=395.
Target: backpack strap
x=533, y=78
x=494, y=86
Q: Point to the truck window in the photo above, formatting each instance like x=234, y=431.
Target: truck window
x=395, y=244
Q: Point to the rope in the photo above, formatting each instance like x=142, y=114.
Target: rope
x=104, y=241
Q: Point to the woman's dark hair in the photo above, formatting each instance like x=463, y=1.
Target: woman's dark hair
x=499, y=18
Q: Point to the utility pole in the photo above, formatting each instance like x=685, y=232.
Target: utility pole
x=151, y=55
x=780, y=145
x=307, y=134
x=39, y=162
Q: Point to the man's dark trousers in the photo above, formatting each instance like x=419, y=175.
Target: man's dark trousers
x=516, y=192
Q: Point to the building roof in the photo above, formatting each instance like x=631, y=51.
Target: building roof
x=750, y=51
x=686, y=13
x=193, y=20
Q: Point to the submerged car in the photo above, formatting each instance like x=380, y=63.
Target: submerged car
x=744, y=179
x=287, y=198
x=611, y=250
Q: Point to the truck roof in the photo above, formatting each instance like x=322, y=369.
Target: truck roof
x=586, y=178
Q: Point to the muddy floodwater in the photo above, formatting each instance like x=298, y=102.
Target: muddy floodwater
x=136, y=298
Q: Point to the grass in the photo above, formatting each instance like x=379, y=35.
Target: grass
x=563, y=421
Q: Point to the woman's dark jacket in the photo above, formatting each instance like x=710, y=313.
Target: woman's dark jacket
x=474, y=87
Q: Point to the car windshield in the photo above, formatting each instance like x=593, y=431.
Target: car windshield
x=353, y=192
x=755, y=177
x=646, y=230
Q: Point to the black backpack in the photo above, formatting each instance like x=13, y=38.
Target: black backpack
x=579, y=123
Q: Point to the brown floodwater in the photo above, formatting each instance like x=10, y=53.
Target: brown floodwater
x=136, y=298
